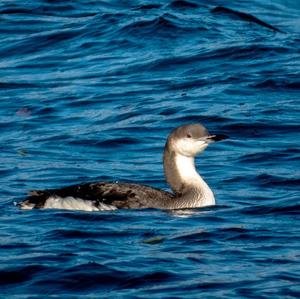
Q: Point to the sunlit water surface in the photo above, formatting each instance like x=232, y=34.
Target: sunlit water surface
x=89, y=91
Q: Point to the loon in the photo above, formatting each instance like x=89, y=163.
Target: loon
x=189, y=189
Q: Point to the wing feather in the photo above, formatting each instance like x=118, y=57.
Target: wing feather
x=113, y=194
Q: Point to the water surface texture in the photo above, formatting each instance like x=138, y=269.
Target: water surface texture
x=89, y=91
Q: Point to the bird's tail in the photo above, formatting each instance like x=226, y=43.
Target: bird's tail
x=35, y=200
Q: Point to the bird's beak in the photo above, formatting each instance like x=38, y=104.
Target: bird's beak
x=214, y=138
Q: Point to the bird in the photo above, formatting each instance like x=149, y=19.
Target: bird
x=189, y=190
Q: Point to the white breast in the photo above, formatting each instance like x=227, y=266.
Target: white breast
x=189, y=175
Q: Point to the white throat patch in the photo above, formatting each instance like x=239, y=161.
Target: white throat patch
x=189, y=175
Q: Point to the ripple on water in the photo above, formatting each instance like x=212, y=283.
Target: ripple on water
x=90, y=90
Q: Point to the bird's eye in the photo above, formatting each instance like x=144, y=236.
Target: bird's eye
x=189, y=135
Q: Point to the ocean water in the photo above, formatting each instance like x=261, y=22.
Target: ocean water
x=89, y=91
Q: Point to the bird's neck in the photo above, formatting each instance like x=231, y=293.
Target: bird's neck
x=185, y=181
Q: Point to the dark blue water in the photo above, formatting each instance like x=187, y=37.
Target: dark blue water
x=89, y=91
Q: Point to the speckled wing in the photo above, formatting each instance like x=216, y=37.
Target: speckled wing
x=120, y=196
